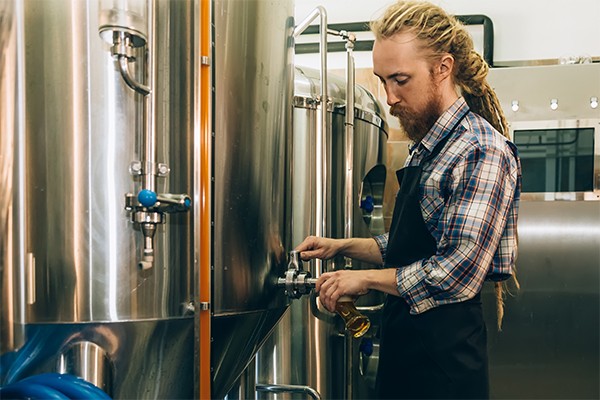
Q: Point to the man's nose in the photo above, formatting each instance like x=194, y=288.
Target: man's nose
x=391, y=98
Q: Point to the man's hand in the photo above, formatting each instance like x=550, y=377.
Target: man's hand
x=319, y=247
x=333, y=285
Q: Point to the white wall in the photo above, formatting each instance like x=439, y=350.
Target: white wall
x=523, y=29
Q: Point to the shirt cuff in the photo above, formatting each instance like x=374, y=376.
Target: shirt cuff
x=411, y=283
x=382, y=241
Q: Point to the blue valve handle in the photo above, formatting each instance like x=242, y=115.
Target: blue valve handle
x=368, y=204
x=147, y=198
x=366, y=347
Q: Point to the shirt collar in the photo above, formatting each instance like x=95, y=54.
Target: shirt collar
x=443, y=126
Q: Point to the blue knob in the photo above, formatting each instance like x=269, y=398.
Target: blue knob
x=367, y=204
x=366, y=347
x=147, y=197
x=187, y=202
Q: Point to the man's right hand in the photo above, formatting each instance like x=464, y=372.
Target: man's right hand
x=319, y=247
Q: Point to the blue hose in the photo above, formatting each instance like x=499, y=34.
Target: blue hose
x=52, y=386
x=32, y=391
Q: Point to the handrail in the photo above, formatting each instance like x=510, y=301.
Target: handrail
x=321, y=131
x=279, y=388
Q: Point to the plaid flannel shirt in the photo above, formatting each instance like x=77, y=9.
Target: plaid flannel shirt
x=469, y=201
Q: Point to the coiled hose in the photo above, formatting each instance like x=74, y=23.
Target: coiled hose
x=52, y=386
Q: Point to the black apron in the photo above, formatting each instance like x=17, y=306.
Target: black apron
x=440, y=353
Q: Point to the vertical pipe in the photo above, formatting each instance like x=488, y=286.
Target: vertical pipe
x=321, y=131
x=21, y=176
x=349, y=136
x=204, y=240
x=349, y=191
x=149, y=151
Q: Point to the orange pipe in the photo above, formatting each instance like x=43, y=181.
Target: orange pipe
x=205, y=377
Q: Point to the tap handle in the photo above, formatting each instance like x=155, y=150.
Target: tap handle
x=164, y=202
x=295, y=261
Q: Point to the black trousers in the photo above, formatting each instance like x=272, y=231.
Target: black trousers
x=439, y=354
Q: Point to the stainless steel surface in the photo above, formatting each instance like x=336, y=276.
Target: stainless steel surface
x=297, y=282
x=253, y=81
x=89, y=361
x=289, y=389
x=80, y=291
x=148, y=359
x=322, y=132
x=535, y=86
x=349, y=138
x=548, y=347
x=130, y=16
x=313, y=348
x=11, y=124
x=85, y=249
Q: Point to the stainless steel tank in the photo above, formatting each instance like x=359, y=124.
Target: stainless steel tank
x=304, y=350
x=548, y=346
x=10, y=122
x=253, y=82
x=84, y=296
x=111, y=105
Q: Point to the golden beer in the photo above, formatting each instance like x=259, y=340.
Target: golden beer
x=356, y=323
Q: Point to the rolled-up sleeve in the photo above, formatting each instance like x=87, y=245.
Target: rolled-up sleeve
x=482, y=188
x=382, y=243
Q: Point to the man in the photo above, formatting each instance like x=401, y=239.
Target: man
x=454, y=222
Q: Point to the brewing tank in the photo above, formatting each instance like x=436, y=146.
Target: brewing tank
x=253, y=81
x=80, y=153
x=100, y=225
x=314, y=347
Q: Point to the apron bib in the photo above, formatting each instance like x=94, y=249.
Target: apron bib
x=441, y=353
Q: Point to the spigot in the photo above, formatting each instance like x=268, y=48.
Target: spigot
x=297, y=281
x=148, y=210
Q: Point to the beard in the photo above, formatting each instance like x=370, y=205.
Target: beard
x=416, y=123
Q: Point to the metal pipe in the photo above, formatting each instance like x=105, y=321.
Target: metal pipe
x=349, y=133
x=129, y=80
x=367, y=45
x=21, y=177
x=349, y=344
x=321, y=131
x=371, y=309
x=203, y=199
x=349, y=189
x=277, y=388
x=149, y=151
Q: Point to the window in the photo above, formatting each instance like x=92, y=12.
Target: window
x=556, y=160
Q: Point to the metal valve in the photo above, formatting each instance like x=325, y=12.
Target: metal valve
x=297, y=281
x=148, y=209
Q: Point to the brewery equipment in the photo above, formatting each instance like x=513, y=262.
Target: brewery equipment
x=149, y=190
x=548, y=346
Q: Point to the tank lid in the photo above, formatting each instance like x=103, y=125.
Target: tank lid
x=307, y=88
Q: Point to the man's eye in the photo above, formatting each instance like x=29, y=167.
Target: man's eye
x=401, y=82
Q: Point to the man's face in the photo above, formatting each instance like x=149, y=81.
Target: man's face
x=406, y=75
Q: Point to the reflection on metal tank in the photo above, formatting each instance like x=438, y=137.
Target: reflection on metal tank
x=253, y=82
x=75, y=162
x=312, y=349
x=10, y=107
x=548, y=346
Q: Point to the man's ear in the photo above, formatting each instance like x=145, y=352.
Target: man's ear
x=445, y=66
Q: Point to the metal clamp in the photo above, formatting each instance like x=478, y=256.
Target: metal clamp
x=297, y=281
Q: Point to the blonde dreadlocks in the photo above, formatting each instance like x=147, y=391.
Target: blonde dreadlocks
x=442, y=34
